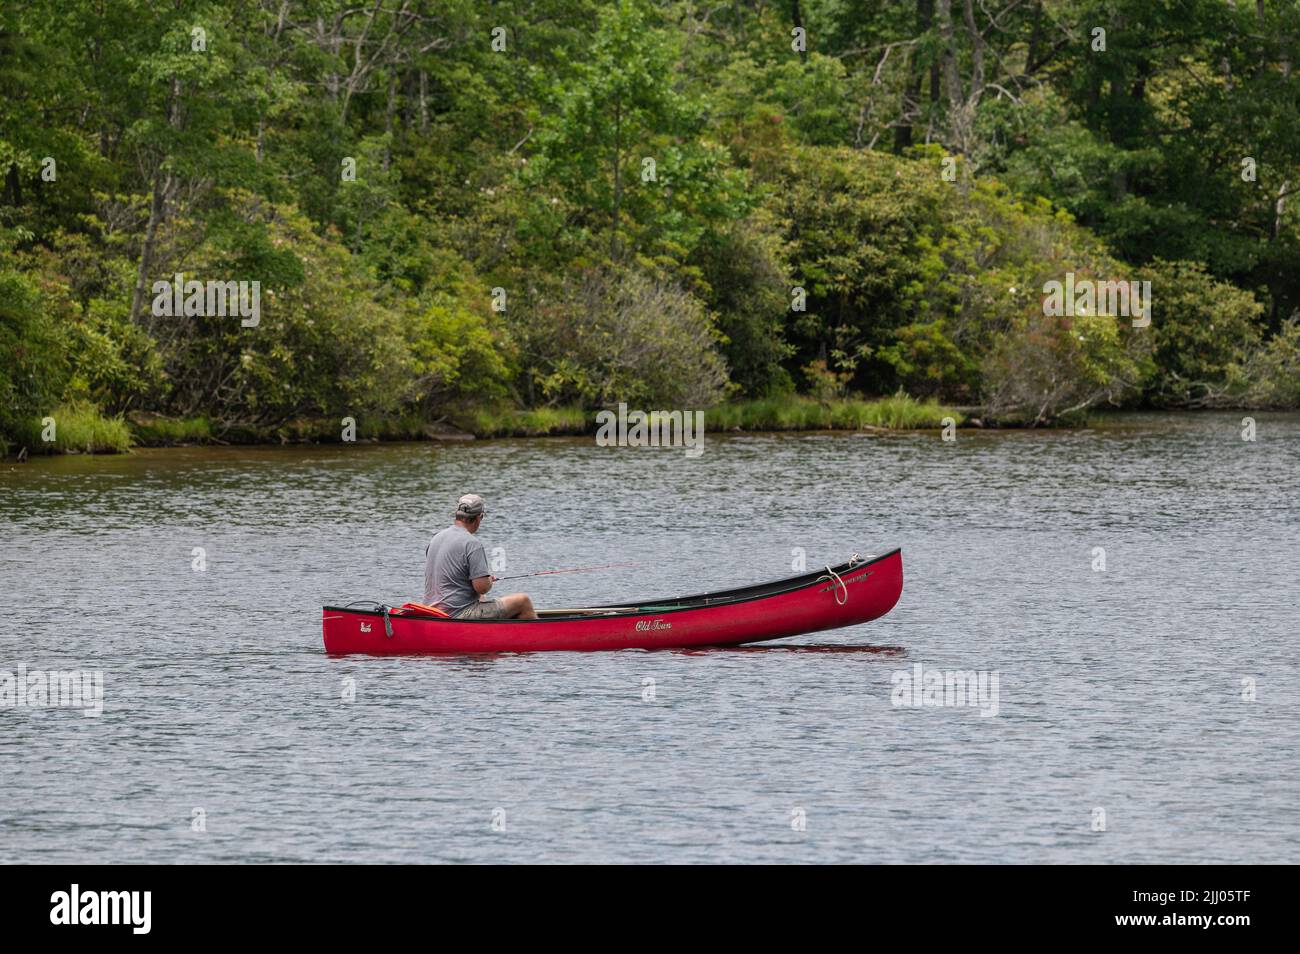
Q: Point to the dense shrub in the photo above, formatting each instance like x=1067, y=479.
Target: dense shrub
x=1267, y=377
x=1045, y=368
x=745, y=286
x=625, y=336
x=33, y=361
x=1203, y=329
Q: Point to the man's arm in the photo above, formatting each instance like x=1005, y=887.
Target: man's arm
x=479, y=576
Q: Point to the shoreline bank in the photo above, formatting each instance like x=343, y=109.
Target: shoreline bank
x=80, y=429
x=85, y=432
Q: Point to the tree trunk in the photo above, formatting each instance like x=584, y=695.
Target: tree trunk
x=618, y=174
x=797, y=17
x=163, y=184
x=424, y=102
x=1035, y=39
x=976, y=52
x=1279, y=207
x=13, y=186
x=952, y=78
x=912, y=93
x=388, y=118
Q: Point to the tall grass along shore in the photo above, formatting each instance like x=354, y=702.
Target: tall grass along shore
x=81, y=428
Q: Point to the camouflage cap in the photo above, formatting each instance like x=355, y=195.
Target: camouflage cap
x=469, y=507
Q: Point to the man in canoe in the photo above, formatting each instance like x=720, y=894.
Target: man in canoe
x=456, y=578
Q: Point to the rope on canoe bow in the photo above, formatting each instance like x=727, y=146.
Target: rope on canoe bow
x=382, y=607
x=841, y=586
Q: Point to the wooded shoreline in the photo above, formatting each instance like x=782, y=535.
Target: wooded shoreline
x=250, y=221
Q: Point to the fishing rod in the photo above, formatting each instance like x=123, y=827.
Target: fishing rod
x=576, y=569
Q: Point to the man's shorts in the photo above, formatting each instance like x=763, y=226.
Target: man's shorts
x=483, y=609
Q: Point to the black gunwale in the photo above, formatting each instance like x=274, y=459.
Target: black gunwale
x=680, y=604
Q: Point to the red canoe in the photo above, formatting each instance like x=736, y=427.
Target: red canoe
x=853, y=592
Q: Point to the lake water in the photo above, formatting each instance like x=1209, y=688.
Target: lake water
x=1162, y=691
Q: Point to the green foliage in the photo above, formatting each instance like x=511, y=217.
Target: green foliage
x=325, y=345
x=623, y=149
x=35, y=365
x=810, y=98
x=114, y=359
x=743, y=277
x=624, y=336
x=926, y=361
x=455, y=352
x=857, y=225
x=1269, y=376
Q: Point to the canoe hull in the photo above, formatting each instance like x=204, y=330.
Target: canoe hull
x=859, y=592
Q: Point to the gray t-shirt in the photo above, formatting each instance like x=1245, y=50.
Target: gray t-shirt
x=454, y=557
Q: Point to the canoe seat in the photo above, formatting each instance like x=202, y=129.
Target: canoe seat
x=426, y=609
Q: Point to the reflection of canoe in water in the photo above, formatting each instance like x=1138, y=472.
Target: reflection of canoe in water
x=853, y=592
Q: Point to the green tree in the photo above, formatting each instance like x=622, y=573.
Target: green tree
x=622, y=151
